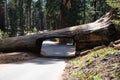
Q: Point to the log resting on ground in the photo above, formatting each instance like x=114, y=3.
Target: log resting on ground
x=87, y=35
x=115, y=44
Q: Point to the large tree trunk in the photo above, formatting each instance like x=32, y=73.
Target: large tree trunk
x=91, y=34
x=2, y=16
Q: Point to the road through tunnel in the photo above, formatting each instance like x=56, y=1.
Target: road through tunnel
x=53, y=48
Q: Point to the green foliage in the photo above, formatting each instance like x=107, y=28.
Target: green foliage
x=24, y=15
x=85, y=73
x=115, y=4
x=65, y=13
x=53, y=14
x=93, y=54
x=3, y=35
x=97, y=77
x=103, y=52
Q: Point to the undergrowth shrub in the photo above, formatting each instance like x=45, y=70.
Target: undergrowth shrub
x=3, y=35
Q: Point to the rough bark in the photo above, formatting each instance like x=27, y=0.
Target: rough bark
x=2, y=19
x=115, y=44
x=87, y=35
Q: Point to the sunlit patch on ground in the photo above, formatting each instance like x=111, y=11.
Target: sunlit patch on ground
x=102, y=64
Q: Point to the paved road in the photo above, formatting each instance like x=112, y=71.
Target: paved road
x=50, y=48
x=40, y=68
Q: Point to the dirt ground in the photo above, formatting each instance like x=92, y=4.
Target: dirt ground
x=107, y=68
x=6, y=58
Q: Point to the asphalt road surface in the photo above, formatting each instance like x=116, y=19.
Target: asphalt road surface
x=40, y=68
x=52, y=49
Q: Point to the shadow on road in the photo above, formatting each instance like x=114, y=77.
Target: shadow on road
x=52, y=52
x=43, y=60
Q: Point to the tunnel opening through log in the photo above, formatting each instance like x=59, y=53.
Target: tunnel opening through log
x=54, y=48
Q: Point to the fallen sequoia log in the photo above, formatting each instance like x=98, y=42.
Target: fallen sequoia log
x=88, y=35
x=115, y=44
